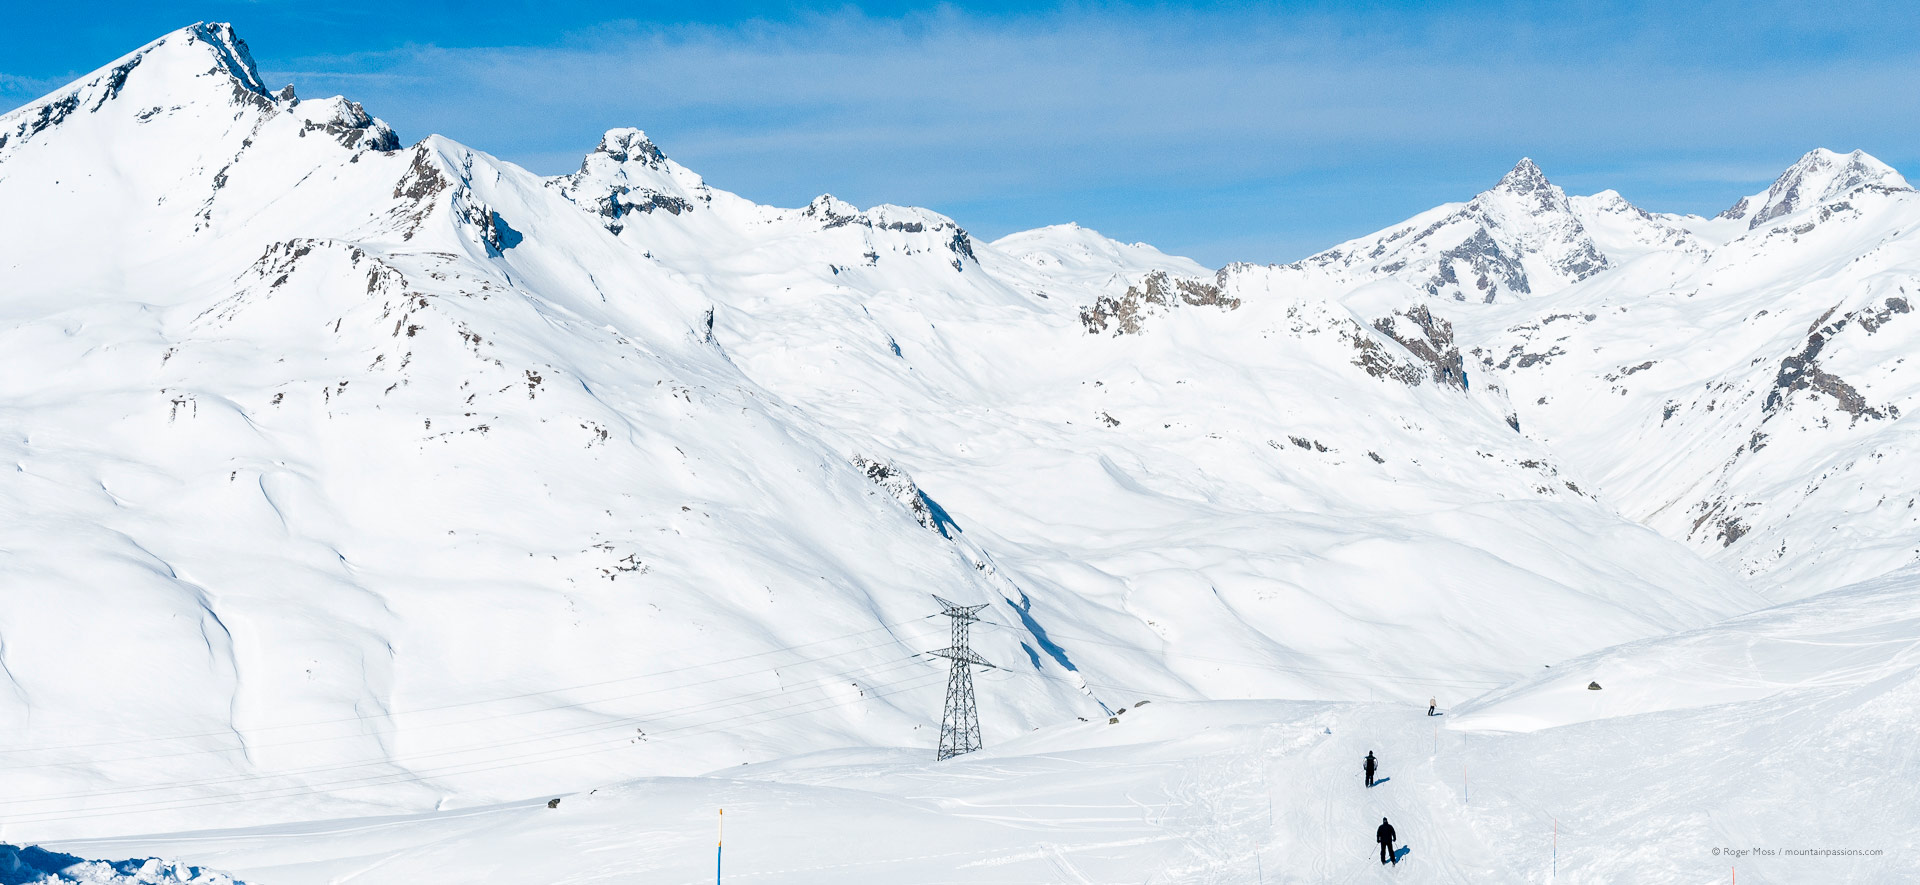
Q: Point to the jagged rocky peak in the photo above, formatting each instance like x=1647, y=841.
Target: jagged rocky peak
x=626, y=174
x=832, y=211
x=175, y=65
x=1518, y=238
x=1526, y=179
x=345, y=120
x=1817, y=177
x=1526, y=182
x=630, y=145
x=229, y=51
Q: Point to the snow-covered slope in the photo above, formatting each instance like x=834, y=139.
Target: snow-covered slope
x=1773, y=747
x=1623, y=231
x=1747, y=399
x=353, y=477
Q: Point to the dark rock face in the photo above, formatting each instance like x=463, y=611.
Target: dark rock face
x=604, y=187
x=830, y=216
x=353, y=127
x=422, y=178
x=903, y=489
x=630, y=146
x=1490, y=265
x=1430, y=339
x=1802, y=371
x=622, y=201
x=1157, y=292
x=1717, y=515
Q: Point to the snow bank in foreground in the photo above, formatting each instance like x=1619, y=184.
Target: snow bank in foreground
x=38, y=865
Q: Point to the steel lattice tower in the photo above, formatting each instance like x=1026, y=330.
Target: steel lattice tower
x=960, y=725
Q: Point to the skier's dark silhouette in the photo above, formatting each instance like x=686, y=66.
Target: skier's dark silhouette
x=1432, y=703
x=1385, y=836
x=1371, y=768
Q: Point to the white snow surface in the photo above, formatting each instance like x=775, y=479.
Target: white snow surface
x=366, y=496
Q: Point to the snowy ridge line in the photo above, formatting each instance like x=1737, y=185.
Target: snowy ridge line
x=576, y=751
x=249, y=745
x=1353, y=674
x=227, y=733
x=571, y=731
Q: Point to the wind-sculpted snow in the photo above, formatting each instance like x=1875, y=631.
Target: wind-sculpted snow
x=351, y=477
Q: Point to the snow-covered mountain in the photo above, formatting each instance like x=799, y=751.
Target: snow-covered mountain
x=358, y=476
x=1521, y=238
x=1822, y=176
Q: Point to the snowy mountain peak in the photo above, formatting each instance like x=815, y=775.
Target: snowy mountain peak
x=229, y=51
x=1817, y=177
x=1519, y=238
x=1524, y=178
x=629, y=144
x=204, y=64
x=626, y=174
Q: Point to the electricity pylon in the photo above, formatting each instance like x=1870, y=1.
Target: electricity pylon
x=960, y=724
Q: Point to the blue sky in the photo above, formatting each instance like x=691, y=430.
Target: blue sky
x=1258, y=132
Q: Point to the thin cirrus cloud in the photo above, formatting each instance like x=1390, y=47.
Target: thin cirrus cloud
x=1229, y=133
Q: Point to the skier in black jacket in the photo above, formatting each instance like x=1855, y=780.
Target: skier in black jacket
x=1385, y=835
x=1370, y=767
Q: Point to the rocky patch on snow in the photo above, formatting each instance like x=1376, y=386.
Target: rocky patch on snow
x=1156, y=293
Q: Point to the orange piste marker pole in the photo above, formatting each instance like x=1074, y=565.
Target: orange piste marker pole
x=719, y=844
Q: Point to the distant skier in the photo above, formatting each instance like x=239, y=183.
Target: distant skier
x=1431, y=704
x=1385, y=835
x=1371, y=767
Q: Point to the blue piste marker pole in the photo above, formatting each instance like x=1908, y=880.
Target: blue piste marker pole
x=719, y=844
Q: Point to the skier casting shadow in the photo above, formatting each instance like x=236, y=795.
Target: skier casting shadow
x=1385, y=836
x=1431, y=704
x=1371, y=767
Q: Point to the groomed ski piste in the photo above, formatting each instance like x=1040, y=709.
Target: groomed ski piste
x=366, y=498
